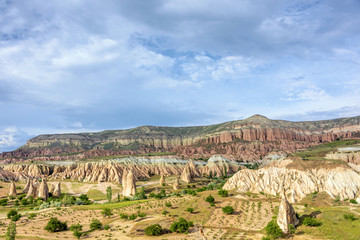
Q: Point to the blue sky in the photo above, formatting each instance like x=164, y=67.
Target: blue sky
x=75, y=66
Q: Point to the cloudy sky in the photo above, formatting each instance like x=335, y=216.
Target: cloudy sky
x=74, y=66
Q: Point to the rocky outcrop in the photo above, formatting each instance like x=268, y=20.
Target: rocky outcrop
x=346, y=156
x=299, y=178
x=190, y=171
x=12, y=191
x=32, y=190
x=218, y=166
x=43, y=190
x=27, y=186
x=286, y=215
x=186, y=176
x=247, y=139
x=176, y=184
x=130, y=185
x=162, y=180
x=57, y=190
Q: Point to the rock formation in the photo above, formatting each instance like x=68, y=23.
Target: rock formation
x=32, y=190
x=190, y=171
x=162, y=180
x=246, y=139
x=12, y=191
x=176, y=184
x=43, y=190
x=57, y=190
x=299, y=178
x=27, y=186
x=186, y=175
x=218, y=166
x=286, y=215
x=130, y=185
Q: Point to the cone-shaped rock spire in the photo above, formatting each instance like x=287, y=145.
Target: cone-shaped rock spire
x=57, y=190
x=130, y=186
x=162, y=180
x=286, y=215
x=176, y=184
x=43, y=191
x=27, y=186
x=32, y=190
x=12, y=191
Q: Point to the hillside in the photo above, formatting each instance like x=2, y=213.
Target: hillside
x=247, y=139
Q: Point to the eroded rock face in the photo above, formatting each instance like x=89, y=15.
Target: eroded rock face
x=43, y=190
x=130, y=185
x=32, y=190
x=57, y=190
x=349, y=157
x=12, y=191
x=338, y=180
x=176, y=184
x=286, y=215
x=218, y=166
x=162, y=180
x=27, y=186
x=186, y=175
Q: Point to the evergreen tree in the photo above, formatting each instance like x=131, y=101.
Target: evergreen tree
x=11, y=231
x=109, y=193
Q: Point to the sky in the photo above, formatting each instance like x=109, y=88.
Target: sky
x=80, y=66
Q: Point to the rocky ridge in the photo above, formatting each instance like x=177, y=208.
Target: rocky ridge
x=246, y=139
x=299, y=178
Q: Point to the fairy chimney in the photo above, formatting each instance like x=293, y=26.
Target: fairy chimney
x=130, y=186
x=32, y=190
x=43, y=191
x=286, y=215
x=12, y=191
x=162, y=180
x=57, y=190
x=176, y=184
x=27, y=186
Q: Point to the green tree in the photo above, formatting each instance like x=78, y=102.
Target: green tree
x=210, y=199
x=164, y=212
x=75, y=227
x=11, y=231
x=272, y=229
x=223, y=193
x=109, y=193
x=181, y=225
x=55, y=225
x=11, y=213
x=312, y=222
x=77, y=234
x=95, y=224
x=153, y=230
x=228, y=210
x=190, y=210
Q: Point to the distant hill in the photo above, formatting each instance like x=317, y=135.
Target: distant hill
x=247, y=139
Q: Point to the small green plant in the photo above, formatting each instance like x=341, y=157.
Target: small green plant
x=353, y=201
x=153, y=230
x=291, y=229
x=107, y=212
x=55, y=225
x=132, y=216
x=273, y=230
x=3, y=202
x=75, y=227
x=228, y=210
x=181, y=226
x=168, y=204
x=306, y=205
x=312, y=222
x=124, y=216
x=77, y=234
x=95, y=224
x=16, y=217
x=190, y=210
x=141, y=214
x=164, y=212
x=109, y=193
x=210, y=199
x=350, y=216
x=11, y=231
x=11, y=213
x=32, y=215
x=107, y=227
x=223, y=193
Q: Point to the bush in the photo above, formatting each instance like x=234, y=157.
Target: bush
x=95, y=224
x=353, y=201
x=11, y=231
x=107, y=212
x=291, y=229
x=132, y=216
x=16, y=217
x=55, y=225
x=153, y=230
x=141, y=214
x=77, y=234
x=168, y=204
x=11, y=213
x=164, y=212
x=228, y=210
x=107, y=227
x=223, y=193
x=273, y=230
x=190, y=210
x=76, y=227
x=350, y=217
x=312, y=222
x=306, y=205
x=85, y=199
x=210, y=199
x=124, y=216
x=181, y=225
x=3, y=202
x=32, y=215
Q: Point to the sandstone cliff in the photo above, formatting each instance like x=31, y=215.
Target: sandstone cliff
x=246, y=139
x=299, y=178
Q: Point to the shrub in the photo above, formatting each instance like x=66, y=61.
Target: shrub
x=312, y=222
x=32, y=215
x=109, y=193
x=77, y=234
x=95, y=224
x=228, y=210
x=3, y=202
x=349, y=217
x=107, y=227
x=16, y=217
x=141, y=214
x=181, y=225
x=85, y=199
x=190, y=210
x=164, y=212
x=291, y=229
x=353, y=201
x=168, y=204
x=55, y=225
x=210, y=199
x=17, y=203
x=153, y=230
x=306, y=205
x=223, y=193
x=76, y=227
x=11, y=231
x=107, y=212
x=273, y=230
x=11, y=213
x=212, y=204
x=124, y=216
x=132, y=216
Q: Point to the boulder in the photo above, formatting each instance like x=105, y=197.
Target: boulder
x=286, y=215
x=12, y=191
